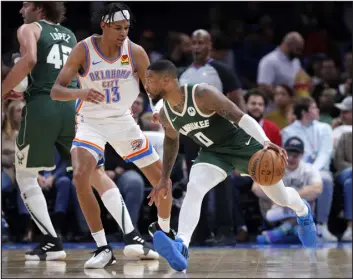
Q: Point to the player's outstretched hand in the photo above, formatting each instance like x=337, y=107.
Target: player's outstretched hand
x=280, y=150
x=160, y=191
x=93, y=96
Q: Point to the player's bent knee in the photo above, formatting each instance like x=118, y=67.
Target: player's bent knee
x=83, y=164
x=205, y=176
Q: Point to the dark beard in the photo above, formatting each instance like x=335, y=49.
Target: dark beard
x=256, y=118
x=157, y=98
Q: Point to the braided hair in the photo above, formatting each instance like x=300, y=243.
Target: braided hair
x=108, y=11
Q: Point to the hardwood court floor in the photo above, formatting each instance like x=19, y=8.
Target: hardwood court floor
x=244, y=262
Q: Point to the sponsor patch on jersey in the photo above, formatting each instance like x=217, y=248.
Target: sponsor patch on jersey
x=136, y=144
x=125, y=60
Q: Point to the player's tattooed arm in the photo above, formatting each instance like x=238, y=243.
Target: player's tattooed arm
x=170, y=145
x=209, y=100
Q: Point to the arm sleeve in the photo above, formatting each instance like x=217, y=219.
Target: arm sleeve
x=229, y=79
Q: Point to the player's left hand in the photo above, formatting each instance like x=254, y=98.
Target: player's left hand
x=160, y=191
x=280, y=150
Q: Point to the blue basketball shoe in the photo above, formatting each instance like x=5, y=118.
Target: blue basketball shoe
x=174, y=251
x=307, y=229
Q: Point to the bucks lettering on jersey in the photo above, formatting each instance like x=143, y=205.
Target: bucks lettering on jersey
x=53, y=48
x=210, y=131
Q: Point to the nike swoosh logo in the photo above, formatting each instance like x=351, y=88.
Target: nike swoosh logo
x=94, y=62
x=174, y=118
x=248, y=142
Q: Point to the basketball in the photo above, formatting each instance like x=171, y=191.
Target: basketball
x=266, y=167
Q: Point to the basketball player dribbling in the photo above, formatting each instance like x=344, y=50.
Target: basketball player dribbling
x=108, y=67
x=228, y=138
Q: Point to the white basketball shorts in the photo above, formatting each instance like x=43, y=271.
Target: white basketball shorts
x=124, y=135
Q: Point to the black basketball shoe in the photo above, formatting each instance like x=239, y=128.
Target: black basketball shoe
x=155, y=227
x=137, y=247
x=49, y=249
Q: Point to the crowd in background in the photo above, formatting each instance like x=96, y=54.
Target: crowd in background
x=298, y=88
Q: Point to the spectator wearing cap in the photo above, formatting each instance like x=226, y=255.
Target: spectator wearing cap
x=343, y=164
x=299, y=175
x=345, y=119
x=318, y=148
x=283, y=100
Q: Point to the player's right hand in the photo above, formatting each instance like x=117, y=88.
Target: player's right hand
x=92, y=96
x=280, y=150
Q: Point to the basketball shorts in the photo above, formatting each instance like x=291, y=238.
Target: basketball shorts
x=125, y=136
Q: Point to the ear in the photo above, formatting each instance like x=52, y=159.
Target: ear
x=103, y=24
x=39, y=9
x=166, y=79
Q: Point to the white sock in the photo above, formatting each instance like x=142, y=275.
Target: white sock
x=34, y=200
x=115, y=204
x=164, y=223
x=286, y=196
x=99, y=238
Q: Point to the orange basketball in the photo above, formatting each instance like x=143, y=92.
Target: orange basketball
x=266, y=167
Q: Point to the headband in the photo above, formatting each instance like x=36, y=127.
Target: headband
x=121, y=15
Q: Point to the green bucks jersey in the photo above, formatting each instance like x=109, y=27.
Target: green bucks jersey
x=53, y=48
x=211, y=132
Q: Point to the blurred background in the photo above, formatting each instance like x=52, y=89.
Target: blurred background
x=247, y=40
